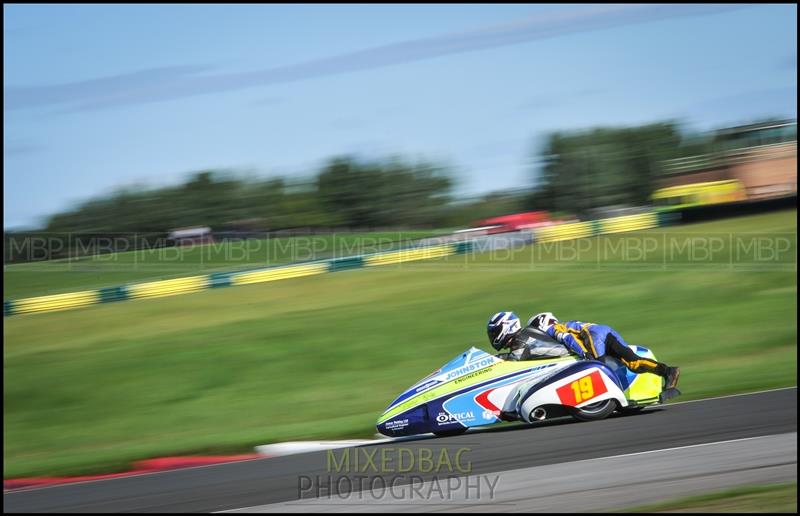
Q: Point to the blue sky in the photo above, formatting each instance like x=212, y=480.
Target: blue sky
x=98, y=97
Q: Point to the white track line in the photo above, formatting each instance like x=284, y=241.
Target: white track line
x=690, y=446
x=294, y=447
x=729, y=396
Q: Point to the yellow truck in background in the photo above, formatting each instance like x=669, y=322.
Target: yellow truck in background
x=698, y=194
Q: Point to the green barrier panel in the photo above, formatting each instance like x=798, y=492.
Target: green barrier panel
x=342, y=264
x=597, y=227
x=463, y=247
x=8, y=308
x=109, y=294
x=219, y=279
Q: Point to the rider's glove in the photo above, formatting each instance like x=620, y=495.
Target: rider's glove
x=558, y=335
x=570, y=343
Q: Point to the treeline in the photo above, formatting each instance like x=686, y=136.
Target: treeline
x=346, y=193
x=577, y=173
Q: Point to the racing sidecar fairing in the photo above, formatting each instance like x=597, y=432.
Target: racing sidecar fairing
x=478, y=389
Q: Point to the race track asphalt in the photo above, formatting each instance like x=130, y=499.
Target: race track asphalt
x=272, y=480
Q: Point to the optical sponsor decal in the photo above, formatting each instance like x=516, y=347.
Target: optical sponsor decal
x=581, y=390
x=456, y=417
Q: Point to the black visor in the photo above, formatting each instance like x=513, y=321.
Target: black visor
x=495, y=331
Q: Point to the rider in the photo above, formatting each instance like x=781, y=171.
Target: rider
x=589, y=340
x=505, y=331
x=584, y=339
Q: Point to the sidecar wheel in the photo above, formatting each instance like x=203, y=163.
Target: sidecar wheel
x=449, y=433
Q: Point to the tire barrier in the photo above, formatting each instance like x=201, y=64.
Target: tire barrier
x=152, y=289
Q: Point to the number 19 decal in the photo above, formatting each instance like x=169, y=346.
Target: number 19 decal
x=582, y=389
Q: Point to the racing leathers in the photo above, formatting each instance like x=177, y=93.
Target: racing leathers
x=588, y=340
x=524, y=345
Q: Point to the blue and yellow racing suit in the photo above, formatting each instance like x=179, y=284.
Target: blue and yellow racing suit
x=588, y=340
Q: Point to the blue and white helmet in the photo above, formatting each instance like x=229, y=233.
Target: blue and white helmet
x=502, y=326
x=542, y=321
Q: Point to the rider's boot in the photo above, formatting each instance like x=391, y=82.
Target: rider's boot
x=673, y=373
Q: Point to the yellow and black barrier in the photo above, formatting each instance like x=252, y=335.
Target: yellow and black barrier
x=574, y=230
x=407, y=255
x=52, y=303
x=278, y=273
x=567, y=231
x=628, y=223
x=168, y=287
x=187, y=285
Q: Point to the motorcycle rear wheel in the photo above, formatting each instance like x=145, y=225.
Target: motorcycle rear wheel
x=595, y=411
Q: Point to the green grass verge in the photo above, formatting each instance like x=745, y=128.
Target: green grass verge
x=776, y=498
x=320, y=357
x=103, y=270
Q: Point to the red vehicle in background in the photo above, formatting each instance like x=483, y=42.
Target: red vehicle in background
x=515, y=222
